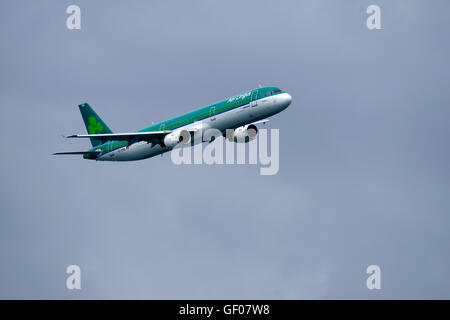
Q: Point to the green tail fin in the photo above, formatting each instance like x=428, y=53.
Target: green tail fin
x=94, y=124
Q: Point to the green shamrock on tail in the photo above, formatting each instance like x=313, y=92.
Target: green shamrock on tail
x=94, y=127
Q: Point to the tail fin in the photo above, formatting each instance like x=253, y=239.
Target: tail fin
x=94, y=124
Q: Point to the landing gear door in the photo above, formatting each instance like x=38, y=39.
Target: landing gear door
x=254, y=97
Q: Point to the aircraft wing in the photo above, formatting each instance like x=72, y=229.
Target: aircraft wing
x=150, y=136
x=264, y=121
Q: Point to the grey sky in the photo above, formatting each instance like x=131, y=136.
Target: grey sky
x=364, y=161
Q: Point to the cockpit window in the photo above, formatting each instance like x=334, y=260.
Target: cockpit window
x=269, y=93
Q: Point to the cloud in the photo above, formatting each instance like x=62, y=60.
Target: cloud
x=363, y=161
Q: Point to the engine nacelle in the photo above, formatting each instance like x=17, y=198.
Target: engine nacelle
x=243, y=134
x=174, y=138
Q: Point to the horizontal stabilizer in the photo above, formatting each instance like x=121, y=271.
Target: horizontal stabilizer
x=118, y=136
x=151, y=136
x=94, y=153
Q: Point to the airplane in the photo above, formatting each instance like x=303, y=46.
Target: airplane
x=236, y=117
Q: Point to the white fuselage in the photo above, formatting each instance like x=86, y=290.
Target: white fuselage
x=246, y=114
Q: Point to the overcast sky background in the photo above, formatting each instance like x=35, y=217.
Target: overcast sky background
x=364, y=161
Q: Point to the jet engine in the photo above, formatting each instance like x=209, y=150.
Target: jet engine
x=174, y=138
x=243, y=134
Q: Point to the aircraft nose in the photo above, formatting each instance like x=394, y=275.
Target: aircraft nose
x=286, y=99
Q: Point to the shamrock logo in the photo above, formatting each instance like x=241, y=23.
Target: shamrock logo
x=94, y=127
